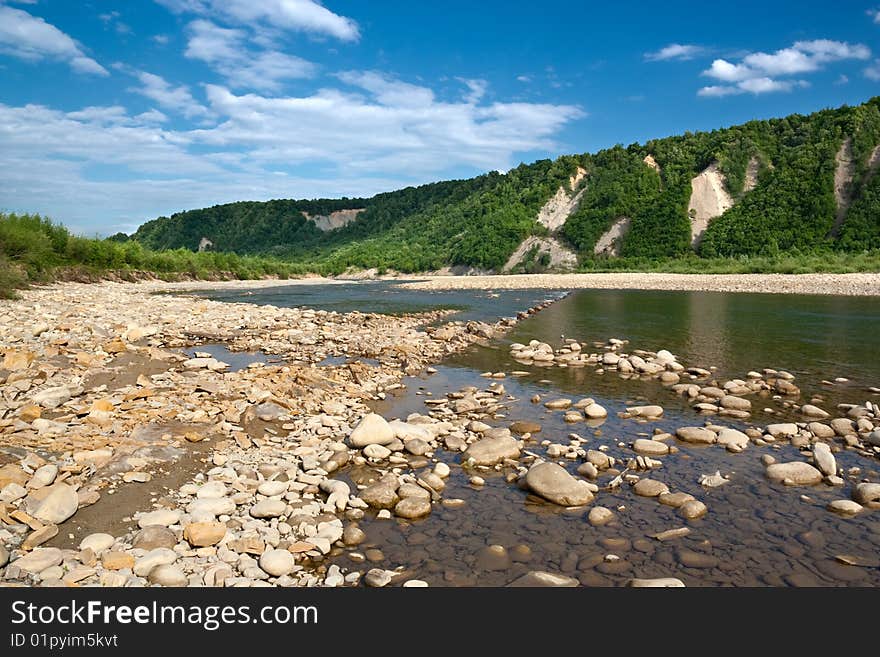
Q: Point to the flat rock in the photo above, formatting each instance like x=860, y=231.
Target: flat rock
x=676, y=499
x=733, y=440
x=272, y=488
x=554, y=483
x=162, y=517
x=268, y=508
x=412, y=507
x=645, y=411
x=491, y=450
x=213, y=506
x=814, y=411
x=557, y=404
x=158, y=557
x=782, y=429
x=59, y=505
x=699, y=435
x=380, y=495
x=539, y=578
x=650, y=488
x=650, y=447
x=595, y=412
x=657, y=582
x=97, y=542
x=796, y=473
x=845, y=507
x=40, y=559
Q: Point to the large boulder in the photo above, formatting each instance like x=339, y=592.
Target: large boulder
x=371, y=430
x=492, y=449
x=555, y=484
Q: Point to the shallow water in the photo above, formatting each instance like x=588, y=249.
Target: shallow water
x=388, y=297
x=756, y=533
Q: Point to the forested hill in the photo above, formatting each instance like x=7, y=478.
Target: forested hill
x=799, y=184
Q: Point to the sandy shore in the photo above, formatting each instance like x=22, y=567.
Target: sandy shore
x=843, y=284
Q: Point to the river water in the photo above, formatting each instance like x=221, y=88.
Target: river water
x=757, y=533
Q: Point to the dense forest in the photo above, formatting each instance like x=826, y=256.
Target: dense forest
x=789, y=208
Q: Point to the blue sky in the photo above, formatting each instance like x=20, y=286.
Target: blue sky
x=113, y=112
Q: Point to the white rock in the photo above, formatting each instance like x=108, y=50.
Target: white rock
x=277, y=562
x=268, y=508
x=371, y=430
x=163, y=517
x=153, y=558
x=97, y=542
x=213, y=490
x=57, y=506
x=824, y=459
x=272, y=488
x=43, y=476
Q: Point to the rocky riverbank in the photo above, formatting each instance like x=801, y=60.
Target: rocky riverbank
x=101, y=408
x=861, y=284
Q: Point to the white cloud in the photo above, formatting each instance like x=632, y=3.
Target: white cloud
x=476, y=89
x=874, y=14
x=161, y=39
x=31, y=38
x=872, y=72
x=100, y=165
x=523, y=78
x=178, y=99
x=842, y=79
x=676, y=51
x=757, y=72
x=225, y=51
x=295, y=15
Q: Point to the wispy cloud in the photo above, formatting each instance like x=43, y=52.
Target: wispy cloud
x=295, y=15
x=675, y=51
x=874, y=14
x=174, y=98
x=225, y=50
x=872, y=72
x=31, y=38
x=757, y=72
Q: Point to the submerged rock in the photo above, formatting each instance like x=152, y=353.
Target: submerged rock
x=555, y=484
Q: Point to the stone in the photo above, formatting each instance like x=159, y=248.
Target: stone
x=538, y=578
x=353, y=535
x=650, y=447
x=416, y=447
x=658, y=582
x=272, y=488
x=675, y=500
x=373, y=429
x=277, y=562
x=4, y=555
x=377, y=452
x=12, y=492
x=53, y=397
x=588, y=470
x=268, y=508
x=378, y=577
x=412, y=507
x=595, y=412
x=154, y=536
x=523, y=426
x=203, y=534
x=168, y=575
x=650, y=488
x=814, y=411
x=699, y=435
x=213, y=490
x=572, y=417
x=212, y=507
x=163, y=517
x=380, y=495
x=413, y=490
x=783, y=429
x=599, y=515
x=557, y=404
x=692, y=559
x=117, y=560
x=842, y=426
x=554, y=483
x=824, y=459
x=59, y=505
x=845, y=507
x=733, y=440
x=645, y=411
x=492, y=450
x=98, y=543
x=735, y=403
x=874, y=438
x=43, y=476
x=39, y=560
x=867, y=494
x=158, y=557
x=794, y=473
x=692, y=509
x=415, y=584
x=442, y=470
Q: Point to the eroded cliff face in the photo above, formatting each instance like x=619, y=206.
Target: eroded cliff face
x=334, y=220
x=560, y=256
x=709, y=199
x=610, y=243
x=563, y=203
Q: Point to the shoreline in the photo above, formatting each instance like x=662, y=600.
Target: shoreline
x=853, y=284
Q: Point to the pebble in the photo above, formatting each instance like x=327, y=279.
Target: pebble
x=845, y=507
x=158, y=557
x=203, y=534
x=659, y=582
x=277, y=562
x=97, y=542
x=794, y=473
x=154, y=536
x=650, y=447
x=268, y=508
x=692, y=509
x=163, y=517
x=39, y=560
x=168, y=575
x=378, y=577
x=413, y=507
x=59, y=505
x=555, y=484
x=650, y=488
x=600, y=515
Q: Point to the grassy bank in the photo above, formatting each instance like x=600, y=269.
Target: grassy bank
x=34, y=249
